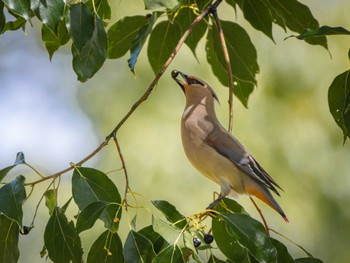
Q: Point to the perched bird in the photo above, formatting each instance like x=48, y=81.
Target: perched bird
x=214, y=152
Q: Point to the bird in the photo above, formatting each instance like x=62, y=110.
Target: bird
x=215, y=152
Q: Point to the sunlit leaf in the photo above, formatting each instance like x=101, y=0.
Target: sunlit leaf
x=184, y=18
x=170, y=212
x=170, y=254
x=54, y=42
x=308, y=260
x=122, y=33
x=12, y=196
x=103, y=9
x=157, y=240
x=339, y=102
x=322, y=31
x=153, y=4
x=282, y=252
x=50, y=200
x=161, y=44
x=258, y=15
x=50, y=12
x=61, y=242
x=170, y=233
x=19, y=7
x=9, y=232
x=90, y=185
x=138, y=248
x=107, y=248
x=140, y=39
x=297, y=17
x=213, y=259
x=227, y=205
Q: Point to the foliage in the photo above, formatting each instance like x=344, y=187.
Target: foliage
x=85, y=25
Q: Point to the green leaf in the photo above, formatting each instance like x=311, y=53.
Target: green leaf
x=322, y=31
x=103, y=10
x=9, y=232
x=243, y=59
x=184, y=18
x=140, y=39
x=14, y=25
x=339, y=102
x=107, y=248
x=228, y=243
x=2, y=17
x=258, y=15
x=297, y=17
x=282, y=252
x=12, y=196
x=122, y=33
x=252, y=235
x=90, y=214
x=90, y=185
x=138, y=248
x=170, y=212
x=170, y=233
x=50, y=200
x=19, y=7
x=54, y=41
x=153, y=4
x=19, y=160
x=161, y=43
x=227, y=205
x=213, y=259
x=61, y=242
x=157, y=240
x=89, y=47
x=170, y=254
x=308, y=260
x=50, y=12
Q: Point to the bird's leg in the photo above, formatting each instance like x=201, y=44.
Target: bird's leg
x=261, y=215
x=216, y=201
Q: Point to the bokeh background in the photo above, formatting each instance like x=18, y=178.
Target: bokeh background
x=51, y=117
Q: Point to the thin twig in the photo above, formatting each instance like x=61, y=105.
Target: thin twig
x=261, y=215
x=141, y=99
x=125, y=201
x=214, y=12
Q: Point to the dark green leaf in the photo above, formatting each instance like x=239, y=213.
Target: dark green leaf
x=60, y=240
x=258, y=15
x=213, y=259
x=14, y=25
x=242, y=55
x=107, y=248
x=339, y=102
x=252, y=235
x=9, y=232
x=170, y=233
x=2, y=17
x=50, y=200
x=297, y=17
x=90, y=214
x=322, y=31
x=308, y=260
x=157, y=240
x=138, y=248
x=171, y=254
x=171, y=214
x=12, y=196
x=283, y=255
x=90, y=185
x=153, y=4
x=103, y=10
x=54, y=42
x=50, y=12
x=140, y=40
x=19, y=160
x=88, y=60
x=230, y=206
x=184, y=18
x=228, y=243
x=122, y=33
x=161, y=43
x=65, y=206
x=19, y=7
x=232, y=3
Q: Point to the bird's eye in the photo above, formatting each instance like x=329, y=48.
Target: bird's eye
x=194, y=81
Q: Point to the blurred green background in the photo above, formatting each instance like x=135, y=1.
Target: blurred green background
x=55, y=120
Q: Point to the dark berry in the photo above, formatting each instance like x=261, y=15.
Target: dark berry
x=208, y=238
x=196, y=242
x=25, y=230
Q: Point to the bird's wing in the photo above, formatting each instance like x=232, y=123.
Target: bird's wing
x=228, y=146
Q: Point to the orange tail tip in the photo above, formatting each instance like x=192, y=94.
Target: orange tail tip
x=268, y=199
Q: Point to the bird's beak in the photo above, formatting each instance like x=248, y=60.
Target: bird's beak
x=182, y=83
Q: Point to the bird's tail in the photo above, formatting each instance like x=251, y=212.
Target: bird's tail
x=265, y=196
